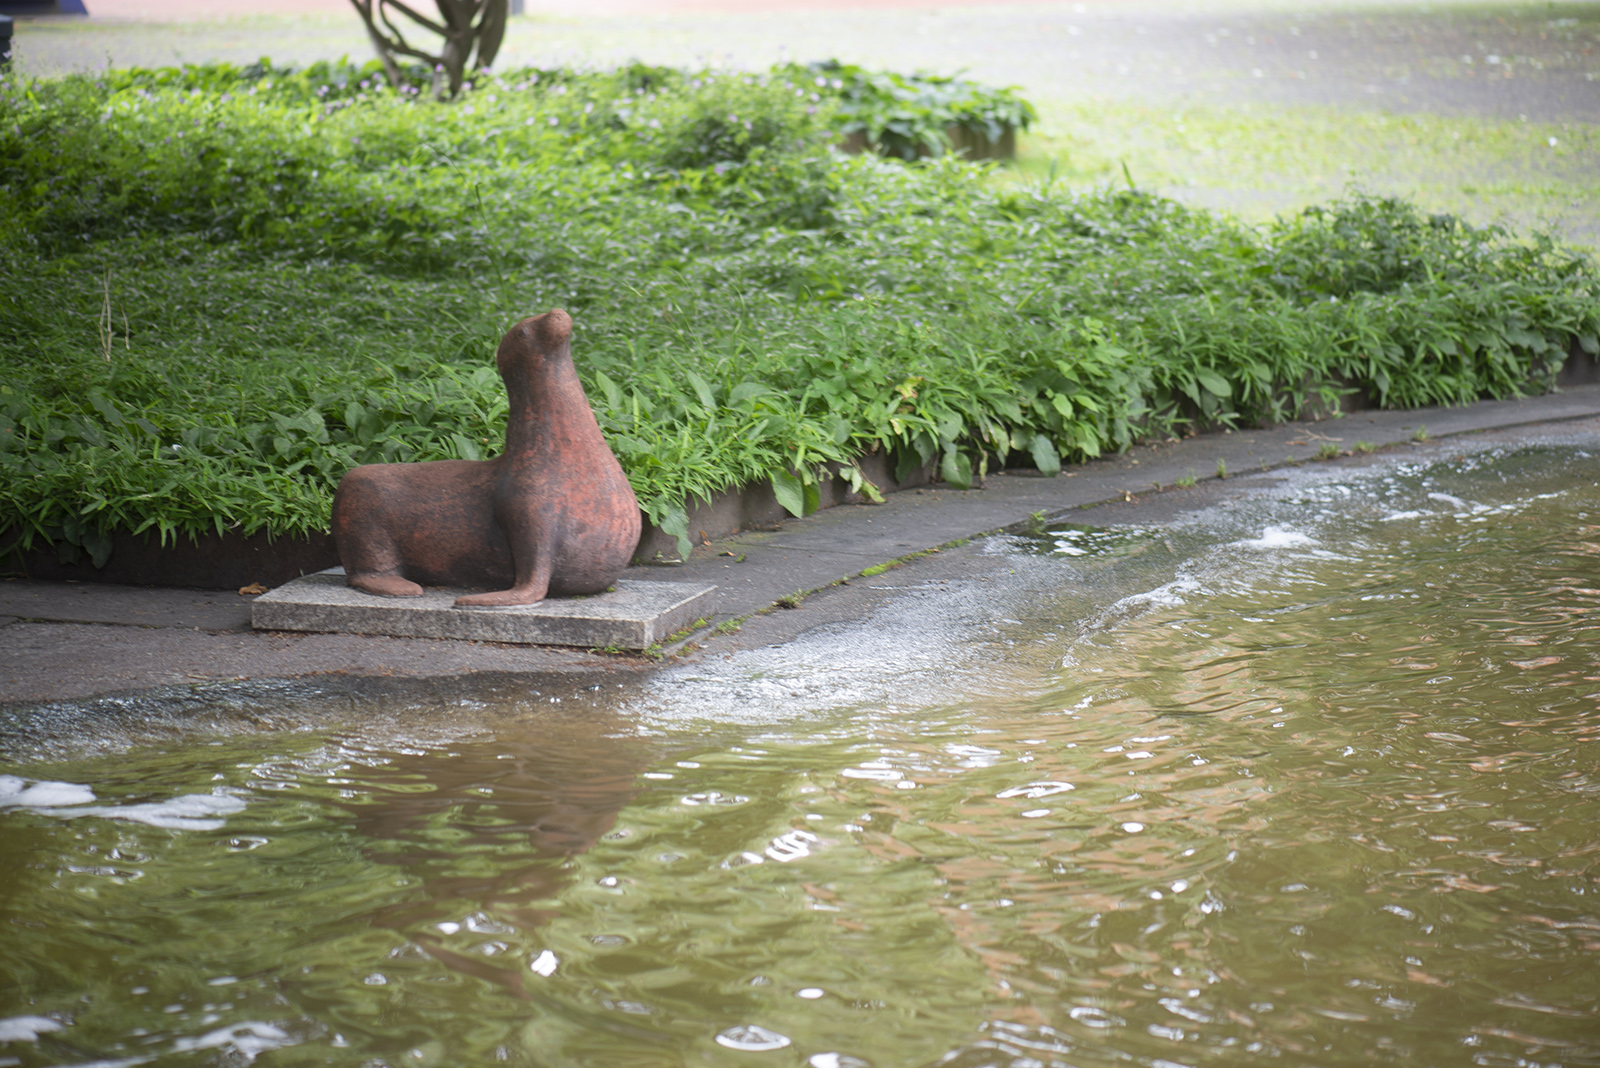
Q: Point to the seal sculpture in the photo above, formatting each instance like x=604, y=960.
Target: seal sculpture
x=553, y=515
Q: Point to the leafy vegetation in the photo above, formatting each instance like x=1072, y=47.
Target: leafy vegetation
x=908, y=116
x=221, y=287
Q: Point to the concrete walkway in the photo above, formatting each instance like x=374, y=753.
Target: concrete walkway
x=71, y=641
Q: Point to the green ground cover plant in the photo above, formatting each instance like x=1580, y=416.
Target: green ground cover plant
x=222, y=287
x=908, y=116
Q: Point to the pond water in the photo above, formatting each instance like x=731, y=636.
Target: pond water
x=1310, y=778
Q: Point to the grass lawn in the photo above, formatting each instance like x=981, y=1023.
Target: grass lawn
x=1257, y=161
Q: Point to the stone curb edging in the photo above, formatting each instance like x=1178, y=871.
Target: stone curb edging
x=232, y=561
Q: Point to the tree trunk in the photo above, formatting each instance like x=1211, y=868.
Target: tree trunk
x=465, y=26
x=491, y=31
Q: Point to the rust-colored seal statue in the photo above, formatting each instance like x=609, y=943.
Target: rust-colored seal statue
x=553, y=515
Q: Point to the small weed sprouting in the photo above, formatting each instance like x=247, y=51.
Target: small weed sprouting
x=1327, y=451
x=1222, y=468
x=1420, y=434
x=728, y=626
x=1364, y=447
x=656, y=650
x=1187, y=481
x=791, y=600
x=684, y=632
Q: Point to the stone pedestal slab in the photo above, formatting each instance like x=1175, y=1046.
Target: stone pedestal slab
x=635, y=615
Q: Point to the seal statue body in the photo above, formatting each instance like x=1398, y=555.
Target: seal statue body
x=553, y=515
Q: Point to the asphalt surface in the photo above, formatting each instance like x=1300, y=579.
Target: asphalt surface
x=1540, y=62
x=63, y=642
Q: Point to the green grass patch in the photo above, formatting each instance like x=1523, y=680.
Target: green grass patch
x=220, y=288
x=1261, y=161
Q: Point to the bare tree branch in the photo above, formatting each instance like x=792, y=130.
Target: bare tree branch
x=420, y=19
x=467, y=27
x=399, y=43
x=385, y=53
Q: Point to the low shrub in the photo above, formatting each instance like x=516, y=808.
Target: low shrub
x=908, y=116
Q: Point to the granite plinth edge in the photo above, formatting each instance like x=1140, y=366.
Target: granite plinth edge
x=633, y=615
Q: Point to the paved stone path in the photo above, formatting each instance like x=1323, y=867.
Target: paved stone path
x=62, y=641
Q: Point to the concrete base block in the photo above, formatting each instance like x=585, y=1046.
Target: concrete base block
x=635, y=615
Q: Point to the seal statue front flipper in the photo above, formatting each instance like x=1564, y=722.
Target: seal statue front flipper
x=531, y=569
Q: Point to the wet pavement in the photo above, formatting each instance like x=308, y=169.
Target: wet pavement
x=66, y=641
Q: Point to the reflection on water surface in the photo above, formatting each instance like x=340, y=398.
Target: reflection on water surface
x=1307, y=779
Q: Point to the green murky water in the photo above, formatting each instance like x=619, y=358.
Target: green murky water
x=1311, y=779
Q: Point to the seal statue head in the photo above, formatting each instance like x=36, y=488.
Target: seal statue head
x=528, y=345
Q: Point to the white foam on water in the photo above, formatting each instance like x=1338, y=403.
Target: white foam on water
x=752, y=1037
x=1174, y=594
x=1276, y=538
x=18, y=793
x=1454, y=502
x=190, y=812
x=242, y=1042
x=26, y=1028
x=1127, y=612
x=791, y=846
x=915, y=644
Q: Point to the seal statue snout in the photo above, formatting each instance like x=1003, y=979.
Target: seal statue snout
x=551, y=329
x=539, y=337
x=553, y=514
